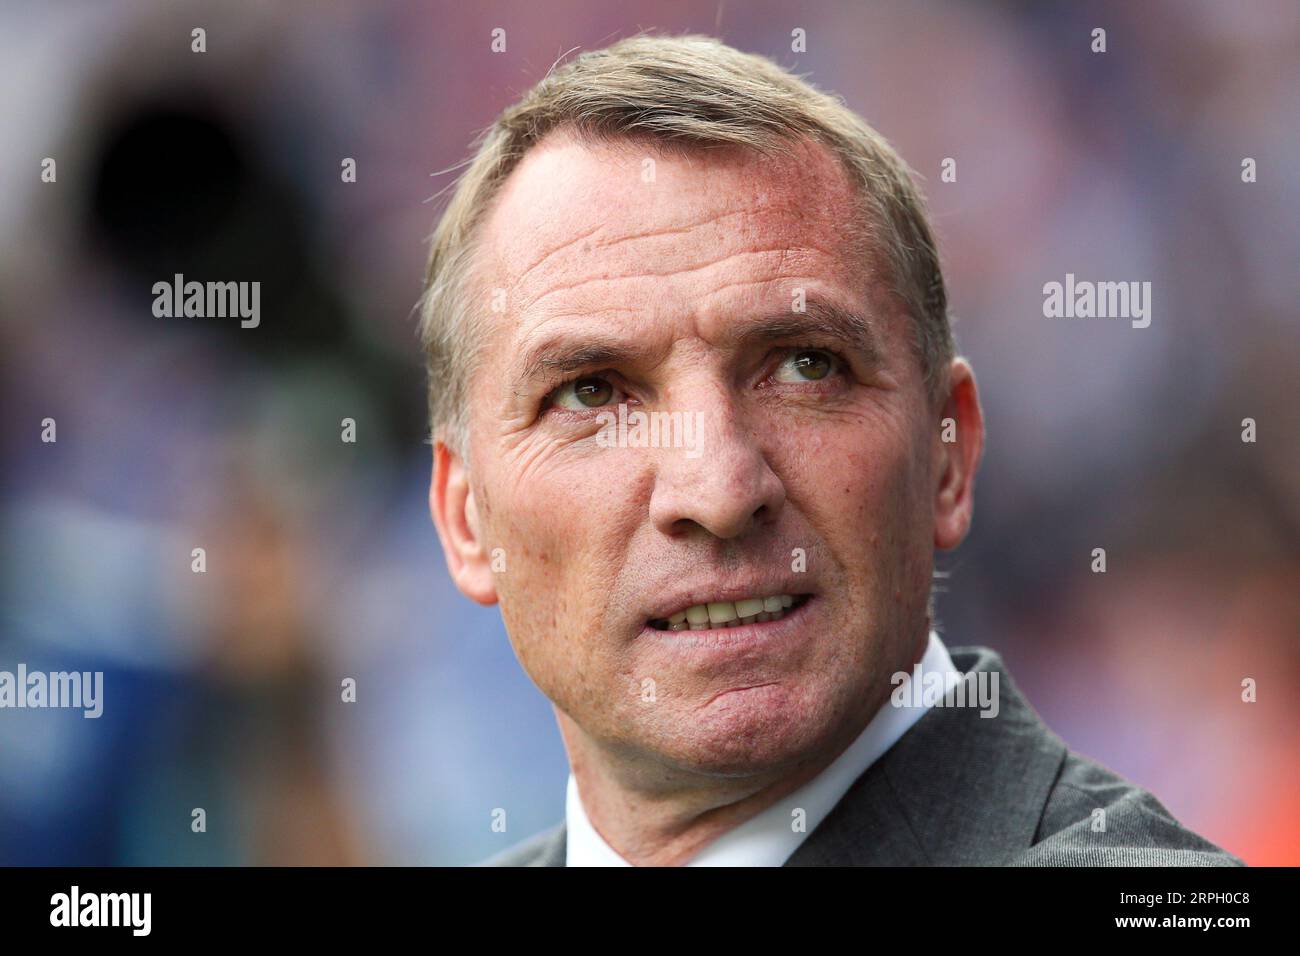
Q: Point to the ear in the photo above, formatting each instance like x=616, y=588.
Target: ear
x=962, y=422
x=451, y=502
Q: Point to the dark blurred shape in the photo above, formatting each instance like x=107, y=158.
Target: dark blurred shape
x=169, y=183
x=179, y=189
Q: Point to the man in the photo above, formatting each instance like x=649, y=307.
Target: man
x=733, y=623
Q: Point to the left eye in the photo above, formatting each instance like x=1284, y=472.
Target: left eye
x=807, y=365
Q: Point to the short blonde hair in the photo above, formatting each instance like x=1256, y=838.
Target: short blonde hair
x=682, y=92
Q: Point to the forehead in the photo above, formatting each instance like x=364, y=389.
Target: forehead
x=595, y=212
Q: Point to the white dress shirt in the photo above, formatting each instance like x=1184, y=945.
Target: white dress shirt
x=768, y=839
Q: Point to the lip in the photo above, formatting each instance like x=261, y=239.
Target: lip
x=710, y=594
x=790, y=627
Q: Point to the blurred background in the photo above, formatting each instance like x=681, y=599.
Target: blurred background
x=223, y=688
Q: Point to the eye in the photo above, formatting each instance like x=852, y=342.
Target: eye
x=807, y=365
x=582, y=393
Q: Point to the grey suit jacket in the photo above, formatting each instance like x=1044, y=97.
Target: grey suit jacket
x=959, y=789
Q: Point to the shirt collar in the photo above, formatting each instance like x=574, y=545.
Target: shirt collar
x=768, y=838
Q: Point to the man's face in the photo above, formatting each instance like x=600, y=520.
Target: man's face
x=815, y=476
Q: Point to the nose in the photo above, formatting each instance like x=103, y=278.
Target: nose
x=728, y=489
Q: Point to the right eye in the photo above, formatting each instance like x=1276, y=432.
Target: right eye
x=810, y=365
x=580, y=394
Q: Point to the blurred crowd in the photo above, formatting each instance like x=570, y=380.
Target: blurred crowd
x=222, y=689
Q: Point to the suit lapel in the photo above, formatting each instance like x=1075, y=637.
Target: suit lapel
x=957, y=789
x=554, y=849
x=868, y=827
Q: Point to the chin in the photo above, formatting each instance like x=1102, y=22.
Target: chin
x=749, y=731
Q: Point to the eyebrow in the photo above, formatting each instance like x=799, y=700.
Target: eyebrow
x=563, y=354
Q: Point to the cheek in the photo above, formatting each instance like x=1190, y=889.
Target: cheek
x=562, y=531
x=565, y=523
x=872, y=506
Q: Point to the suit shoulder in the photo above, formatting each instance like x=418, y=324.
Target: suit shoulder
x=541, y=849
x=1095, y=817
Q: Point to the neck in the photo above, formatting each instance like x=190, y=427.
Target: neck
x=653, y=814
x=666, y=826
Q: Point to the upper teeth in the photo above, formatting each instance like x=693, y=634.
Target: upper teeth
x=698, y=617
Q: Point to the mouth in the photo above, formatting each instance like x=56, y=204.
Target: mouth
x=719, y=615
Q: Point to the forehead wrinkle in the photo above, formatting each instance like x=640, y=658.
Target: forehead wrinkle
x=776, y=203
x=612, y=241
x=783, y=249
x=558, y=249
x=765, y=280
x=678, y=230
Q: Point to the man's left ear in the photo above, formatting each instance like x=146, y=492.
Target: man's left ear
x=958, y=445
